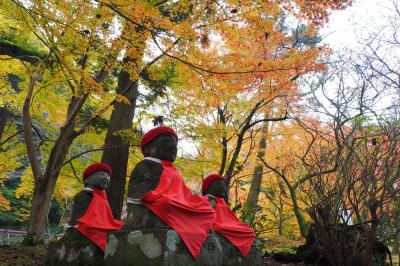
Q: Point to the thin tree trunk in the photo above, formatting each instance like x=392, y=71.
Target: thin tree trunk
x=28, y=133
x=301, y=221
x=39, y=197
x=255, y=187
x=4, y=113
x=44, y=187
x=224, y=142
x=280, y=219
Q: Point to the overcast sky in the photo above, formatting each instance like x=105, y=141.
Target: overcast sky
x=348, y=27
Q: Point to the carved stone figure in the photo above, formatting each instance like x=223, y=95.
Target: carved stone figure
x=90, y=222
x=146, y=176
x=238, y=239
x=155, y=185
x=166, y=223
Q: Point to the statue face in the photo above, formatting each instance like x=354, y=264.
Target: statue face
x=164, y=147
x=217, y=189
x=99, y=179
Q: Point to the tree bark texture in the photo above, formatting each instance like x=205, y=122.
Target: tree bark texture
x=303, y=224
x=3, y=120
x=46, y=182
x=116, y=149
x=255, y=187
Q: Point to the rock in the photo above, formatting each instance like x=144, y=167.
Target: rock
x=140, y=217
x=233, y=257
x=73, y=249
x=164, y=247
x=158, y=247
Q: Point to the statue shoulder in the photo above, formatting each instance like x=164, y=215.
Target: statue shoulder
x=144, y=177
x=146, y=168
x=83, y=195
x=81, y=203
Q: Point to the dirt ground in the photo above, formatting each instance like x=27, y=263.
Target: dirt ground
x=22, y=256
x=35, y=256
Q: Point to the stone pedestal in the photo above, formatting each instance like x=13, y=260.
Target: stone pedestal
x=232, y=256
x=164, y=247
x=73, y=249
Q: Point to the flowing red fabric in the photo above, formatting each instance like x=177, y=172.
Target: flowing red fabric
x=98, y=220
x=238, y=233
x=191, y=216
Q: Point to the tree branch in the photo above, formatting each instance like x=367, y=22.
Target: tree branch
x=27, y=122
x=197, y=67
x=10, y=137
x=89, y=151
x=20, y=53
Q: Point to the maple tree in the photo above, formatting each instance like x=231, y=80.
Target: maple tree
x=79, y=48
x=278, y=58
x=65, y=73
x=182, y=32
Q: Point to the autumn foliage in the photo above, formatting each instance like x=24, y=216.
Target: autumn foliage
x=77, y=77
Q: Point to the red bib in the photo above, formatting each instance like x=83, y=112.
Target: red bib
x=191, y=216
x=238, y=233
x=98, y=220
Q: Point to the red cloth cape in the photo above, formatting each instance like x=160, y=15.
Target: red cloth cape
x=238, y=233
x=98, y=220
x=191, y=216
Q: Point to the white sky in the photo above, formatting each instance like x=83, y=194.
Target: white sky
x=346, y=28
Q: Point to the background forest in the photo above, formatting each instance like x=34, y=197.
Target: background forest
x=303, y=134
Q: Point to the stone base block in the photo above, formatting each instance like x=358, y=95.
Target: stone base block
x=233, y=257
x=164, y=247
x=148, y=247
x=73, y=249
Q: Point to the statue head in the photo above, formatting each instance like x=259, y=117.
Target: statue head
x=161, y=143
x=97, y=175
x=214, y=185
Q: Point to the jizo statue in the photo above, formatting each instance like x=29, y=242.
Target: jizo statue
x=238, y=233
x=158, y=196
x=91, y=214
x=145, y=177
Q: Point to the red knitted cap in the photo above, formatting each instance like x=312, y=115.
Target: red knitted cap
x=209, y=180
x=93, y=168
x=154, y=133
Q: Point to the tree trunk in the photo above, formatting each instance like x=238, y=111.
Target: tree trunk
x=231, y=168
x=46, y=182
x=301, y=221
x=116, y=150
x=255, y=187
x=44, y=187
x=40, y=205
x=280, y=218
x=3, y=120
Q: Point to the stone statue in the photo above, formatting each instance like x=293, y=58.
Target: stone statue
x=157, y=186
x=99, y=180
x=166, y=223
x=90, y=222
x=145, y=177
x=237, y=238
